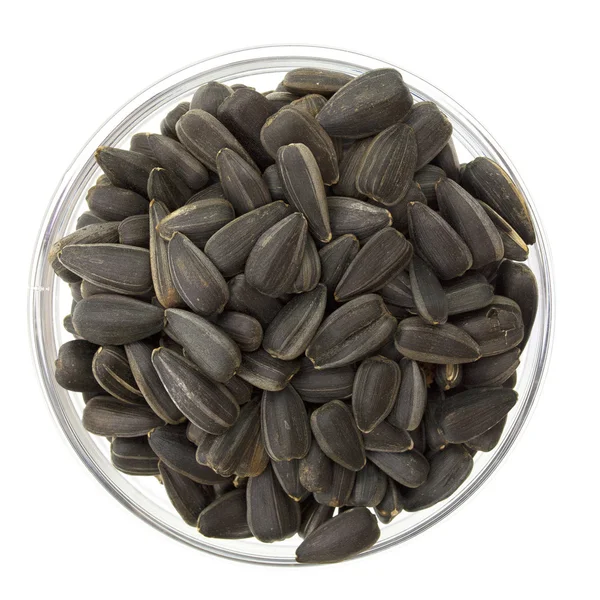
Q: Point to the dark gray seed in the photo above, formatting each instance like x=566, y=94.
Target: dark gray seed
x=244, y=113
x=267, y=372
x=511, y=382
x=387, y=438
x=272, y=514
x=133, y=456
x=496, y=328
x=340, y=487
x=471, y=222
x=419, y=438
x=240, y=389
x=351, y=216
x=167, y=188
x=374, y=391
x=230, y=246
x=434, y=436
x=491, y=371
x=167, y=342
x=386, y=253
x=370, y=486
x=114, y=267
x=244, y=330
x=76, y=291
x=135, y=231
x=139, y=355
x=407, y=468
x=73, y=366
x=351, y=332
x=91, y=289
x=107, y=416
x=126, y=169
x=87, y=218
x=273, y=182
x=210, y=192
x=517, y=282
x=196, y=279
x=490, y=272
x=467, y=293
x=112, y=372
x=164, y=288
x=286, y=472
x=342, y=537
x=242, y=183
x=349, y=168
x=203, y=440
x=280, y=99
x=392, y=504
x=114, y=203
x=432, y=130
x=315, y=470
x=244, y=298
x=428, y=294
x=240, y=449
x=468, y=414
x=389, y=349
x=514, y=246
x=68, y=325
x=487, y=181
x=203, y=136
x=397, y=291
x=313, y=515
x=319, y=386
x=295, y=126
x=387, y=166
x=178, y=453
x=448, y=377
x=412, y=397
x=449, y=469
x=290, y=332
x=303, y=187
x=488, y=440
x=437, y=243
x=334, y=259
x=274, y=261
x=311, y=103
x=226, y=517
x=427, y=179
x=111, y=319
x=188, y=497
x=447, y=160
x=169, y=123
x=366, y=105
x=307, y=80
x=338, y=436
x=213, y=351
x=103, y=180
x=310, y=269
x=209, y=97
x=223, y=488
x=399, y=211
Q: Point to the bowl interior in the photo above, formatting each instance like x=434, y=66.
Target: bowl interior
x=262, y=68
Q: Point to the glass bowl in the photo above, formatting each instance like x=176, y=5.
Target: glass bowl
x=50, y=298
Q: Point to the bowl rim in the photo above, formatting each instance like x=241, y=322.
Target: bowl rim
x=158, y=94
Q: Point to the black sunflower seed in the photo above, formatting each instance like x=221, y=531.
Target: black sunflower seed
x=349, y=168
x=447, y=160
x=491, y=371
x=340, y=487
x=210, y=96
x=112, y=203
x=267, y=372
x=318, y=386
x=73, y=366
x=412, y=397
x=351, y=216
x=310, y=268
x=126, y=169
x=281, y=99
x=370, y=486
x=244, y=330
x=407, y=468
x=166, y=187
x=226, y=517
x=135, y=231
x=273, y=182
x=168, y=124
x=287, y=473
x=134, y=456
x=448, y=377
x=399, y=211
x=427, y=178
x=313, y=515
x=245, y=299
x=387, y=438
x=315, y=470
x=489, y=439
x=87, y=218
x=112, y=371
x=334, y=259
x=514, y=246
x=397, y=291
x=467, y=293
x=308, y=80
x=428, y=294
x=311, y=103
x=392, y=504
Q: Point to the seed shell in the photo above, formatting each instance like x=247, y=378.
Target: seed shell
x=392, y=504
x=409, y=468
x=349, y=168
x=488, y=440
x=397, y=291
x=308, y=80
x=169, y=123
x=468, y=293
x=244, y=298
x=287, y=474
x=226, y=517
x=352, y=216
x=135, y=231
x=412, y=397
x=273, y=182
x=313, y=515
x=340, y=488
x=334, y=259
x=448, y=377
x=133, y=456
x=111, y=203
x=447, y=160
x=310, y=269
x=267, y=372
x=73, y=366
x=315, y=470
x=318, y=386
x=370, y=486
x=126, y=169
x=210, y=96
x=387, y=438
x=87, y=218
x=112, y=372
x=244, y=330
x=311, y=103
x=428, y=294
x=167, y=188
x=491, y=371
x=427, y=178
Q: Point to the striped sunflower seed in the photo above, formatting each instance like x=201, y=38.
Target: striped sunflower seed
x=448, y=377
x=427, y=178
x=135, y=231
x=225, y=517
x=351, y=216
x=167, y=188
x=514, y=246
x=491, y=371
x=419, y=438
x=412, y=397
x=318, y=386
x=133, y=456
x=334, y=259
x=73, y=366
x=240, y=389
x=287, y=473
x=311, y=103
x=210, y=96
x=308, y=80
x=409, y=468
x=273, y=182
x=111, y=370
x=169, y=123
x=399, y=211
x=387, y=438
x=349, y=168
x=267, y=372
x=243, y=329
x=392, y=504
x=126, y=169
x=370, y=486
x=434, y=436
x=210, y=192
x=245, y=299
x=309, y=274
x=467, y=293
x=447, y=160
x=489, y=439
x=315, y=470
x=313, y=515
x=428, y=294
x=87, y=218
x=397, y=291
x=281, y=99
x=340, y=488
x=112, y=203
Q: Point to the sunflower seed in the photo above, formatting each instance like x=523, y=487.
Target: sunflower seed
x=272, y=514
x=334, y=259
x=387, y=438
x=351, y=332
x=467, y=293
x=370, y=486
x=387, y=166
x=491, y=371
x=392, y=504
x=514, y=246
x=169, y=123
x=311, y=103
x=314, y=81
x=310, y=269
x=286, y=472
x=419, y=438
x=214, y=352
x=366, y=105
x=399, y=211
x=449, y=469
x=243, y=329
x=428, y=294
x=351, y=216
x=209, y=97
x=385, y=254
x=126, y=169
x=107, y=416
x=112, y=203
x=133, y=456
x=407, y=468
x=167, y=188
x=273, y=182
x=274, y=261
x=433, y=434
x=349, y=168
x=111, y=370
x=318, y=386
x=437, y=243
x=267, y=372
x=427, y=178
x=488, y=440
x=73, y=366
x=448, y=377
x=111, y=319
x=244, y=298
x=295, y=126
x=315, y=470
x=203, y=440
x=313, y=515
x=68, y=325
x=210, y=192
x=412, y=397
x=346, y=535
x=225, y=517
x=340, y=487
x=135, y=231
x=397, y=291
x=241, y=390
x=87, y=218
x=447, y=160
x=280, y=99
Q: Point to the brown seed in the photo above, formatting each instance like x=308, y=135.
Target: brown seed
x=467, y=293
x=112, y=203
x=126, y=169
x=412, y=397
x=210, y=96
x=244, y=298
x=134, y=456
x=491, y=371
x=308, y=80
x=349, y=168
x=313, y=515
x=111, y=370
x=243, y=329
x=428, y=294
x=387, y=438
x=73, y=366
x=287, y=473
x=226, y=517
x=340, y=488
x=135, y=231
x=392, y=504
x=407, y=468
x=315, y=470
x=351, y=216
x=318, y=386
x=267, y=372
x=370, y=486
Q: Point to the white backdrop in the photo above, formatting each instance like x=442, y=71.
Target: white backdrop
x=528, y=72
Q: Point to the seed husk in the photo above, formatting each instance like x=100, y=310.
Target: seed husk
x=112, y=203
x=73, y=366
x=488, y=440
x=87, y=218
x=295, y=126
x=244, y=330
x=397, y=291
x=135, y=231
x=349, y=168
x=287, y=474
x=437, y=243
x=242, y=183
x=408, y=468
x=226, y=517
x=448, y=377
x=107, y=416
x=335, y=430
x=315, y=470
x=355, y=217
x=290, y=332
x=339, y=538
x=111, y=319
x=447, y=160
x=427, y=178
x=308, y=80
x=467, y=293
x=374, y=391
x=340, y=487
x=370, y=486
x=491, y=371
x=281, y=99
x=212, y=350
x=313, y=515
x=392, y=504
x=318, y=386
x=188, y=497
x=387, y=166
x=351, y=332
x=385, y=254
x=468, y=414
x=169, y=123
x=196, y=279
x=267, y=372
x=366, y=105
x=449, y=469
x=133, y=456
x=240, y=389
x=112, y=372
x=273, y=182
x=310, y=268
x=209, y=97
x=311, y=103
x=514, y=246
x=411, y=400
x=387, y=438
x=274, y=261
x=428, y=294
x=210, y=192
x=399, y=211
x=68, y=325
x=303, y=187
x=434, y=436
x=126, y=169
x=244, y=298
x=284, y=424
x=334, y=259
x=167, y=188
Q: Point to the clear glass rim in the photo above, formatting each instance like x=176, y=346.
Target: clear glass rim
x=42, y=280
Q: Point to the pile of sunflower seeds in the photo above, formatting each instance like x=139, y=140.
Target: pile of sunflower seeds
x=297, y=301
